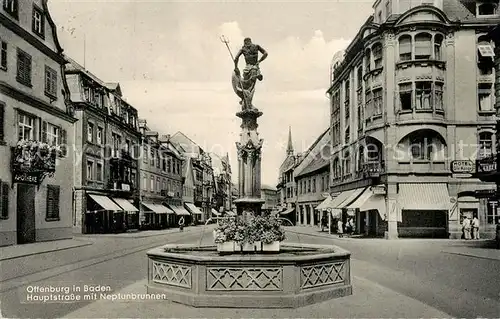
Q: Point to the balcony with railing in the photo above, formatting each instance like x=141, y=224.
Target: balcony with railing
x=120, y=186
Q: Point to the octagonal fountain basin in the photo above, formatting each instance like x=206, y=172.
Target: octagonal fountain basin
x=299, y=275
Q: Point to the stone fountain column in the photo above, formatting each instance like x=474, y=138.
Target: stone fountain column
x=249, y=163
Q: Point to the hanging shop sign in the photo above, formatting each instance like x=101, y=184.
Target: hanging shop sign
x=463, y=167
x=486, y=165
x=32, y=161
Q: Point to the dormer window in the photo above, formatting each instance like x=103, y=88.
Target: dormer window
x=486, y=9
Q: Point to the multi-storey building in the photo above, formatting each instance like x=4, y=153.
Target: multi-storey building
x=222, y=176
x=193, y=174
x=107, y=143
x=312, y=179
x=208, y=186
x=286, y=182
x=271, y=198
x=161, y=180
x=36, y=120
x=412, y=93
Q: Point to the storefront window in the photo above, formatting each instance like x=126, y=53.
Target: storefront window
x=492, y=212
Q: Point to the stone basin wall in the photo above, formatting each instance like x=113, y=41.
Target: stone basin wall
x=286, y=280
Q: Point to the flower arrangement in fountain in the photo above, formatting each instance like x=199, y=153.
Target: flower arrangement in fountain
x=266, y=229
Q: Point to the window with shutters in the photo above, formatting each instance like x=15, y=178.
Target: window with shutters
x=23, y=68
x=50, y=82
x=11, y=7
x=52, y=203
x=3, y=55
x=4, y=200
x=2, y=123
x=38, y=22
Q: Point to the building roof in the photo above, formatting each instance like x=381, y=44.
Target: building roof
x=186, y=145
x=268, y=187
x=77, y=67
x=318, y=155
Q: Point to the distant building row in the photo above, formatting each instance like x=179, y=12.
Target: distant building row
x=74, y=155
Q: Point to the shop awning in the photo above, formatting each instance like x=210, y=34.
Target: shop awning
x=105, y=202
x=288, y=211
x=193, y=209
x=179, y=210
x=424, y=196
x=159, y=209
x=216, y=213
x=326, y=203
x=370, y=201
x=353, y=194
x=125, y=204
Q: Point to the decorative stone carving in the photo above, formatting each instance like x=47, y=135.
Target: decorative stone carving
x=246, y=279
x=172, y=274
x=320, y=275
x=424, y=77
x=450, y=38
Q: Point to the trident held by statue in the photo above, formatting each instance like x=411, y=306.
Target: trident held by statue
x=226, y=42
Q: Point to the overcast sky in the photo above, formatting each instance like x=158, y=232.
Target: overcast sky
x=171, y=65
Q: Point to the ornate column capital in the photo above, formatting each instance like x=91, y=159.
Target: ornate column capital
x=450, y=38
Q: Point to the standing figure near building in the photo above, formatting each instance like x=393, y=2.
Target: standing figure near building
x=181, y=224
x=340, y=228
x=475, y=228
x=466, y=228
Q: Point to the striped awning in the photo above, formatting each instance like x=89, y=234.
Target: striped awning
x=125, y=204
x=424, y=196
x=159, y=209
x=179, y=210
x=352, y=195
x=193, y=209
x=106, y=203
x=326, y=203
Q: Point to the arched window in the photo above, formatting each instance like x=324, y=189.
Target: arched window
x=423, y=46
x=336, y=168
x=485, y=144
x=377, y=55
x=438, y=47
x=368, y=54
x=425, y=145
x=360, y=78
x=405, y=48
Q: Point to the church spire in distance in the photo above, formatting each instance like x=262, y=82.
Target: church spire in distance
x=289, y=148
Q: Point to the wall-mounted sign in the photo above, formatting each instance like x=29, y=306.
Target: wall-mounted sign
x=486, y=165
x=463, y=166
x=485, y=193
x=27, y=177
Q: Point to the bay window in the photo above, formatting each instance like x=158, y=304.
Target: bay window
x=423, y=95
x=405, y=96
x=368, y=104
x=368, y=54
x=405, y=49
x=377, y=55
x=423, y=46
x=377, y=102
x=438, y=46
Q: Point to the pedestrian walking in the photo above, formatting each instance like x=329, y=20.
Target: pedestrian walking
x=340, y=228
x=350, y=224
x=466, y=228
x=181, y=224
x=323, y=222
x=475, y=228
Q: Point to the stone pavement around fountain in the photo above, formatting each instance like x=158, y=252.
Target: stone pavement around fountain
x=369, y=300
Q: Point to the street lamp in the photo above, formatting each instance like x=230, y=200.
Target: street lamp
x=329, y=210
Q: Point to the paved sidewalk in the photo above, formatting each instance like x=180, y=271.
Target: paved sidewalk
x=16, y=251
x=369, y=300
x=150, y=233
x=316, y=231
x=485, y=253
